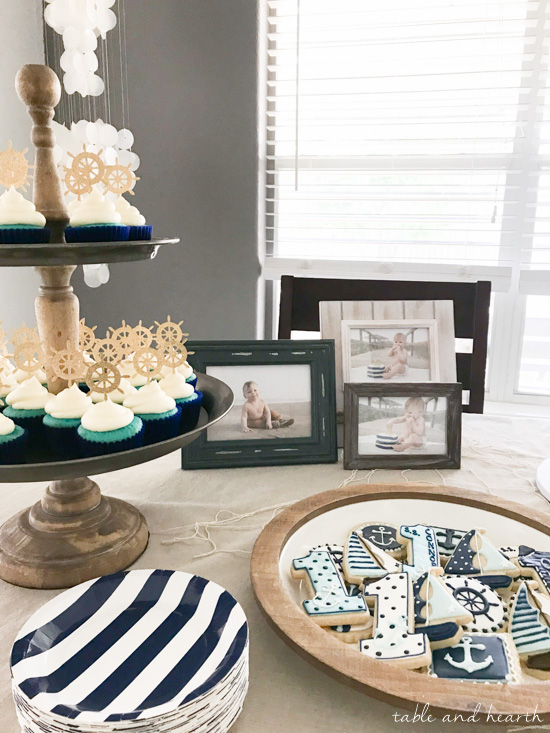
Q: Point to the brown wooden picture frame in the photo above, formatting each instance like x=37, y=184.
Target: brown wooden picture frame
x=450, y=459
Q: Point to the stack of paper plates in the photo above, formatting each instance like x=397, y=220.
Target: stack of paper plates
x=149, y=651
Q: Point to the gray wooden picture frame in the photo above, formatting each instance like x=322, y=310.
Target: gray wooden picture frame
x=319, y=447
x=450, y=459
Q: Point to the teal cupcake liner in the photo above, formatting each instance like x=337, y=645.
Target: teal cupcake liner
x=13, y=447
x=62, y=437
x=111, y=441
x=140, y=233
x=24, y=235
x=161, y=426
x=97, y=233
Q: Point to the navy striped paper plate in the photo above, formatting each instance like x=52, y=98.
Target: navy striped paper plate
x=129, y=647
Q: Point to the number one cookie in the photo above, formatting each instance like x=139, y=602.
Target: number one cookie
x=394, y=622
x=330, y=604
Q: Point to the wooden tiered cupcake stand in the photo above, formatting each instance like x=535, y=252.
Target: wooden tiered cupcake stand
x=74, y=533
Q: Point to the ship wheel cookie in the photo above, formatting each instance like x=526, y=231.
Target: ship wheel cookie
x=483, y=603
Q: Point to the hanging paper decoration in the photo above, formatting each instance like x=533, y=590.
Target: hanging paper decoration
x=80, y=22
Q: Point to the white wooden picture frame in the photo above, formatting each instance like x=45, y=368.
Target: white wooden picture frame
x=333, y=313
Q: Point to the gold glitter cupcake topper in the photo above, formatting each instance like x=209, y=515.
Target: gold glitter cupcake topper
x=68, y=364
x=14, y=168
x=29, y=358
x=88, y=169
x=103, y=377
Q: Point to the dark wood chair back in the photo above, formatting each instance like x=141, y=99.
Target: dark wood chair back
x=299, y=311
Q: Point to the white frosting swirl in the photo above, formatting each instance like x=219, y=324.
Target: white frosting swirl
x=21, y=376
x=130, y=215
x=29, y=395
x=105, y=416
x=94, y=209
x=150, y=400
x=7, y=426
x=15, y=209
x=7, y=384
x=118, y=396
x=8, y=367
x=128, y=369
x=69, y=404
x=185, y=369
x=175, y=386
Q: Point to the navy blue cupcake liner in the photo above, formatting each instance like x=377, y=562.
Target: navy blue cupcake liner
x=158, y=428
x=13, y=451
x=24, y=235
x=32, y=424
x=140, y=233
x=97, y=233
x=63, y=443
x=190, y=412
x=92, y=448
x=192, y=381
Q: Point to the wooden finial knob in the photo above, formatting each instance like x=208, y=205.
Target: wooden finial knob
x=40, y=90
x=38, y=86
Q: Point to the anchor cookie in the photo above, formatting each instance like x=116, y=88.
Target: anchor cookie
x=384, y=537
x=394, y=638
x=477, y=658
x=330, y=604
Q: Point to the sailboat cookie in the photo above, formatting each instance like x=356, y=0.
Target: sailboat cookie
x=330, y=604
x=436, y=611
x=476, y=555
x=537, y=564
x=529, y=629
x=363, y=560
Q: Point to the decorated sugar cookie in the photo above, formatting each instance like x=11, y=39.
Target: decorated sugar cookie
x=394, y=638
x=447, y=539
x=422, y=552
x=537, y=565
x=337, y=554
x=528, y=627
x=436, y=611
x=476, y=555
x=352, y=634
x=384, y=537
x=486, y=607
x=477, y=658
x=330, y=605
x=362, y=560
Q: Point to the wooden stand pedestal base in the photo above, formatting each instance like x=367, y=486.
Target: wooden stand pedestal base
x=72, y=535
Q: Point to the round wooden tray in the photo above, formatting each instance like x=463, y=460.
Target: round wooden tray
x=383, y=680
x=218, y=399
x=79, y=253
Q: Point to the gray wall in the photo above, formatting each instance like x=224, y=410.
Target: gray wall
x=193, y=110
x=20, y=43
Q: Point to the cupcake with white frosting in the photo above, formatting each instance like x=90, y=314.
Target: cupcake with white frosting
x=95, y=219
x=176, y=386
x=26, y=405
x=107, y=427
x=20, y=222
x=132, y=217
x=13, y=439
x=7, y=384
x=20, y=376
x=129, y=371
x=62, y=419
x=185, y=369
x=159, y=412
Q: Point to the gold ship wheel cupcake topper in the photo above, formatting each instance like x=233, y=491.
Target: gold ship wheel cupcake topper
x=103, y=377
x=14, y=168
x=86, y=335
x=106, y=349
x=29, y=358
x=143, y=336
x=85, y=171
x=147, y=361
x=125, y=339
x=68, y=364
x=119, y=179
x=168, y=332
x=25, y=335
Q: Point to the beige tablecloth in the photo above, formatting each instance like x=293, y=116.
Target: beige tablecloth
x=287, y=694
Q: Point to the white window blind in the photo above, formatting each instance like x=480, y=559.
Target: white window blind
x=410, y=138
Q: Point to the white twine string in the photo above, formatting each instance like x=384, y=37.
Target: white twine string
x=201, y=530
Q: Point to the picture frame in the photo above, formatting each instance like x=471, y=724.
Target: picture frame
x=371, y=412
x=333, y=313
x=294, y=391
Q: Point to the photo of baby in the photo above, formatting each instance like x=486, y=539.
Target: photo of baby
x=275, y=403
x=394, y=425
x=396, y=354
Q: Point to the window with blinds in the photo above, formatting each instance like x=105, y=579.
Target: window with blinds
x=410, y=132
x=411, y=138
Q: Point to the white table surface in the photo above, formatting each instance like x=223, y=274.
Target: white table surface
x=287, y=694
